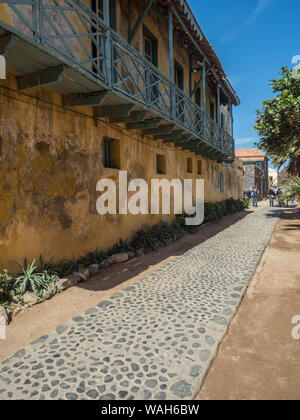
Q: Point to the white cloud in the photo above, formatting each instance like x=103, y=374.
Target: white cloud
x=230, y=37
x=234, y=80
x=262, y=4
x=242, y=141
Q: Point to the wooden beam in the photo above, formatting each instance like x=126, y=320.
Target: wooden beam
x=6, y=42
x=186, y=139
x=41, y=78
x=139, y=21
x=151, y=123
x=180, y=20
x=167, y=136
x=82, y=99
x=113, y=111
x=177, y=140
x=163, y=129
x=135, y=116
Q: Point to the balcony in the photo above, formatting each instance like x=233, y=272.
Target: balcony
x=62, y=45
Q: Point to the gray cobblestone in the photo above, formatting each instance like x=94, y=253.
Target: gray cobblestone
x=156, y=339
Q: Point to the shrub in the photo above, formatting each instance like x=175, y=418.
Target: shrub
x=6, y=286
x=44, y=281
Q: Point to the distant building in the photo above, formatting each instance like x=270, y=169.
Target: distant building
x=256, y=170
x=273, y=177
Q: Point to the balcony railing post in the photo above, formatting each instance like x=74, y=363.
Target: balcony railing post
x=173, y=102
x=191, y=117
x=40, y=17
x=108, y=44
x=148, y=85
x=34, y=19
x=108, y=57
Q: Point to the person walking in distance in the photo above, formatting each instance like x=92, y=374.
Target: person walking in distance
x=255, y=197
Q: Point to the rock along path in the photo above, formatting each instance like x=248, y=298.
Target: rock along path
x=155, y=339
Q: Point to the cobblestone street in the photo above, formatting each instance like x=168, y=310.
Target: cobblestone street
x=155, y=339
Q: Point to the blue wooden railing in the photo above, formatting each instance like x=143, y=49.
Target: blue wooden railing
x=71, y=31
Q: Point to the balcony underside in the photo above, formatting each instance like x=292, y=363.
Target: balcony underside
x=36, y=67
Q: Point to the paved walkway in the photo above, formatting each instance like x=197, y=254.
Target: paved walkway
x=259, y=357
x=155, y=339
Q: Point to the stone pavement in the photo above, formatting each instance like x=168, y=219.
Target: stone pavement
x=155, y=339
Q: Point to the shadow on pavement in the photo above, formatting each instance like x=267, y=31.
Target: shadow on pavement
x=291, y=214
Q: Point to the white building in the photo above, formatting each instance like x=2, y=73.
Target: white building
x=273, y=176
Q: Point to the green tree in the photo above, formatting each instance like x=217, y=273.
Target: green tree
x=278, y=123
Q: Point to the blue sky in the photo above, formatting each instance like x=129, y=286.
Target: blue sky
x=253, y=40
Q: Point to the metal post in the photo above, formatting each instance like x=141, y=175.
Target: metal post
x=108, y=43
x=171, y=63
x=40, y=18
x=171, y=43
x=231, y=114
x=204, y=97
x=220, y=139
x=218, y=105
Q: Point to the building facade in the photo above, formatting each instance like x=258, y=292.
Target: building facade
x=94, y=87
x=273, y=177
x=256, y=170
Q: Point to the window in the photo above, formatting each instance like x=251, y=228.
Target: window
x=221, y=182
x=189, y=165
x=97, y=7
x=150, y=47
x=179, y=81
x=111, y=153
x=161, y=164
x=98, y=37
x=198, y=97
x=151, y=54
x=223, y=120
x=212, y=111
x=179, y=75
x=199, y=167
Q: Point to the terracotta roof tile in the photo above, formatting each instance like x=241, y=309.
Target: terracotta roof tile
x=249, y=153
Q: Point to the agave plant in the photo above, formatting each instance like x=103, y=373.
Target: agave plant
x=293, y=188
x=29, y=279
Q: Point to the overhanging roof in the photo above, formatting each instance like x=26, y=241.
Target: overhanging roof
x=191, y=23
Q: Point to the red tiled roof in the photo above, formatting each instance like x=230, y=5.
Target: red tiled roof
x=252, y=159
x=249, y=154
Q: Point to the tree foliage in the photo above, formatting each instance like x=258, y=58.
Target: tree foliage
x=278, y=123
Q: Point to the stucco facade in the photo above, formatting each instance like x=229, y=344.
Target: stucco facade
x=51, y=158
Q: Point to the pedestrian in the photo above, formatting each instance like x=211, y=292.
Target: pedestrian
x=272, y=197
x=254, y=195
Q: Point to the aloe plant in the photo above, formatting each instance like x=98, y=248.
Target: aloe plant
x=29, y=279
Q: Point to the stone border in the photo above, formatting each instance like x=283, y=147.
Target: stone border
x=29, y=299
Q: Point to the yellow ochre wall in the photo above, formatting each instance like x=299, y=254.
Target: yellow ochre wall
x=51, y=159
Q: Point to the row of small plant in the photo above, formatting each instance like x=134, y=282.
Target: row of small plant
x=40, y=278
x=31, y=278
